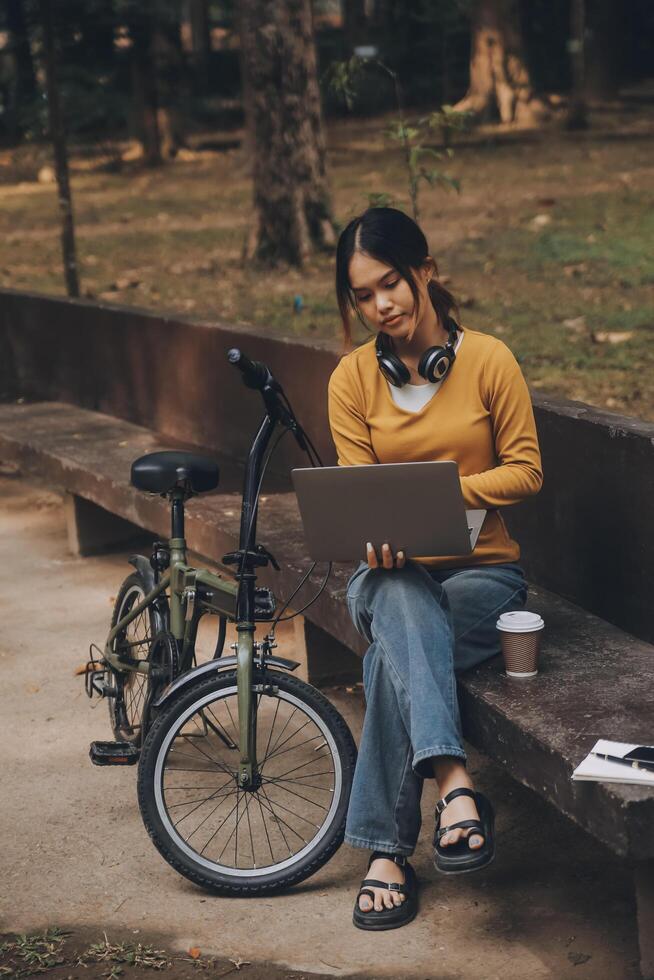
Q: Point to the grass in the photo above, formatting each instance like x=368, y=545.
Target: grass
x=27, y=955
x=543, y=234
x=61, y=955
x=31, y=954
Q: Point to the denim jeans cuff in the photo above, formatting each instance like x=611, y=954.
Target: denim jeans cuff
x=376, y=845
x=420, y=760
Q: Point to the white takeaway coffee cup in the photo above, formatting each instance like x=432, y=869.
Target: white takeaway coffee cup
x=520, y=633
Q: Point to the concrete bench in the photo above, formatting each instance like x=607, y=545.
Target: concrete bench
x=592, y=678
x=88, y=455
x=586, y=538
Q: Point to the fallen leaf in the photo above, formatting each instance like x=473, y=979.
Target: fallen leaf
x=195, y=953
x=577, y=958
x=576, y=323
x=612, y=337
x=540, y=221
x=80, y=670
x=575, y=270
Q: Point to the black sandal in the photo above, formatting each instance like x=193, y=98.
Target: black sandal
x=460, y=857
x=400, y=914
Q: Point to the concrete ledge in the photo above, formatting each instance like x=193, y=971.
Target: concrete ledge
x=92, y=529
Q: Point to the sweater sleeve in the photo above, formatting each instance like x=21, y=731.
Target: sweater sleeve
x=349, y=429
x=519, y=473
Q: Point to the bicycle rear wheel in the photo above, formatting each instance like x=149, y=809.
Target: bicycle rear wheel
x=236, y=842
x=127, y=705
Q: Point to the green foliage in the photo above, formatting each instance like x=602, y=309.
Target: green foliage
x=449, y=121
x=343, y=79
x=380, y=200
x=32, y=954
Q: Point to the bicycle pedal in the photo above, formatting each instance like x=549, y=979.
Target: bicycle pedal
x=264, y=603
x=113, y=754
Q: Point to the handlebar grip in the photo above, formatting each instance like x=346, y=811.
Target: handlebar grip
x=255, y=373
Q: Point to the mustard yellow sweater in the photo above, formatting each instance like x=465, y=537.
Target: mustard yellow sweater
x=481, y=417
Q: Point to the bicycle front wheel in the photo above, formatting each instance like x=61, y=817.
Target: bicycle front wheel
x=279, y=832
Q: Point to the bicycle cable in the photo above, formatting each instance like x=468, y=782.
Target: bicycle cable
x=279, y=618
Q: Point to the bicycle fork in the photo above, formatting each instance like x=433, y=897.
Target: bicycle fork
x=247, y=715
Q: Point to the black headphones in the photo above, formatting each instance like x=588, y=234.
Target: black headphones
x=433, y=365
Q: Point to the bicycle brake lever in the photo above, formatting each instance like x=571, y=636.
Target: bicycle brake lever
x=259, y=548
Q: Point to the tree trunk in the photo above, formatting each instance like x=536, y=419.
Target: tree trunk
x=602, y=49
x=22, y=89
x=144, y=83
x=156, y=78
x=168, y=71
x=354, y=23
x=499, y=76
x=196, y=17
x=291, y=198
x=58, y=137
x=577, y=116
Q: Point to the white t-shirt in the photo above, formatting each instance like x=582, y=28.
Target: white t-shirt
x=413, y=397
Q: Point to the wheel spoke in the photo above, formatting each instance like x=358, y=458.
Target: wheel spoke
x=241, y=832
x=278, y=751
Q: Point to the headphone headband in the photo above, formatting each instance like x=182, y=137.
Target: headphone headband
x=434, y=363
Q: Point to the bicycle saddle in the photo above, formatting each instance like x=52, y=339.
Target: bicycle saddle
x=164, y=471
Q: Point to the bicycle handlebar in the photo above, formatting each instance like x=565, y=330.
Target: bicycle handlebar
x=255, y=373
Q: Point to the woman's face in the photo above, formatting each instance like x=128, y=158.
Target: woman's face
x=383, y=297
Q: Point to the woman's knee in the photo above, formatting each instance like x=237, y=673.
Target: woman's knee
x=395, y=588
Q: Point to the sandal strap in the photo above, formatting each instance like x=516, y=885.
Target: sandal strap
x=452, y=795
x=367, y=892
x=399, y=859
x=391, y=886
x=462, y=823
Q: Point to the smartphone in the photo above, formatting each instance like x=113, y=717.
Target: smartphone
x=644, y=753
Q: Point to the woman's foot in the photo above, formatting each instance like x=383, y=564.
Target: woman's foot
x=384, y=870
x=451, y=774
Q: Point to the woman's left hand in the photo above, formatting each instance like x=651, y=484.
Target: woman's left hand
x=387, y=557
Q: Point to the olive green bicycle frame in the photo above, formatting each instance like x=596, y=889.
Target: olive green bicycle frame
x=185, y=611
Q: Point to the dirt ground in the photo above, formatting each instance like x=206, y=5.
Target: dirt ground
x=547, y=246
x=75, y=856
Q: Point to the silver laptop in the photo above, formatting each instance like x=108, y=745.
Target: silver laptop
x=417, y=507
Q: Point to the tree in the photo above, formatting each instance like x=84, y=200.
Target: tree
x=604, y=33
x=291, y=198
x=156, y=69
x=354, y=23
x=577, y=117
x=23, y=87
x=195, y=19
x=499, y=76
x=58, y=136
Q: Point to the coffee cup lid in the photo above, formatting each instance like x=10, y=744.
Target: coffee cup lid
x=520, y=621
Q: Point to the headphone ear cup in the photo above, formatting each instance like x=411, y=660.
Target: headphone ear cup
x=393, y=369
x=435, y=363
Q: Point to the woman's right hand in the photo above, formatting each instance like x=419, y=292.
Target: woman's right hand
x=388, y=561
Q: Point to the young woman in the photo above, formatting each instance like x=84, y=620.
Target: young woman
x=423, y=389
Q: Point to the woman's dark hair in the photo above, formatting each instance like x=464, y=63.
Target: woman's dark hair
x=390, y=236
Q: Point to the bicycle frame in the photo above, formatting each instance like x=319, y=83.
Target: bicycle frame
x=194, y=591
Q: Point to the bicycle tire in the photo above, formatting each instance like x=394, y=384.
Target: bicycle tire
x=213, y=876
x=126, y=706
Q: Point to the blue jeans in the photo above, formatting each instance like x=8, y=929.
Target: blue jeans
x=422, y=625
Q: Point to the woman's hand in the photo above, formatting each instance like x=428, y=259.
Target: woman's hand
x=387, y=557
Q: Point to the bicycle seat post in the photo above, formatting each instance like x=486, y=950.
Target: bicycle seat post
x=177, y=553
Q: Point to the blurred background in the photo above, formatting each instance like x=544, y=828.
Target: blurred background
x=201, y=157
